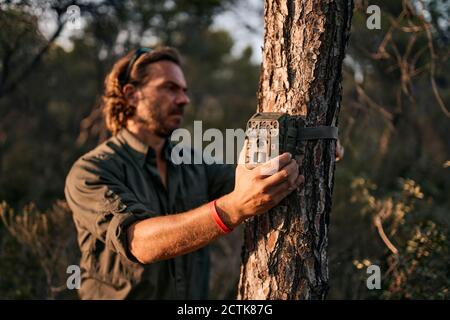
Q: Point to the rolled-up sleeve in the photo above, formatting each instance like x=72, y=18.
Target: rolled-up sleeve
x=102, y=204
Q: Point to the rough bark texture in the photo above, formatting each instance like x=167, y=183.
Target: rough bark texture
x=285, y=251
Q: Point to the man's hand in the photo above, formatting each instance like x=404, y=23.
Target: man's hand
x=255, y=192
x=258, y=190
x=339, y=151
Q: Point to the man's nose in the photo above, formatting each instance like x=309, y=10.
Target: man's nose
x=183, y=98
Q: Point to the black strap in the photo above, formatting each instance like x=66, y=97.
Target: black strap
x=320, y=132
x=136, y=55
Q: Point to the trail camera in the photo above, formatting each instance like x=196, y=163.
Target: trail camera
x=270, y=134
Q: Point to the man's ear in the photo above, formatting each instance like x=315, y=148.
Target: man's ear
x=131, y=94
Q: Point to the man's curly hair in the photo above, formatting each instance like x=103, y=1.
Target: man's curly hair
x=115, y=107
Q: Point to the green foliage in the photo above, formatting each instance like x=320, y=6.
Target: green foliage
x=416, y=254
x=36, y=249
x=421, y=272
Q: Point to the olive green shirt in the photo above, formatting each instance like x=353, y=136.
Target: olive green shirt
x=117, y=184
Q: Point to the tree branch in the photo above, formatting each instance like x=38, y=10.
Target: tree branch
x=387, y=242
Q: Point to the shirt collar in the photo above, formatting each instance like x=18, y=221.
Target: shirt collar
x=141, y=151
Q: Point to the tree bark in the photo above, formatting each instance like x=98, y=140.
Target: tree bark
x=285, y=251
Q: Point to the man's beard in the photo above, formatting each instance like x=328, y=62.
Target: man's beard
x=155, y=127
x=163, y=132
x=155, y=124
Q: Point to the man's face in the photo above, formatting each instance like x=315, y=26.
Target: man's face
x=160, y=102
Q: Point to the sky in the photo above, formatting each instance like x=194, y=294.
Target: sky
x=244, y=22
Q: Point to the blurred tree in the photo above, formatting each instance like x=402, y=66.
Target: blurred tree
x=21, y=18
x=57, y=103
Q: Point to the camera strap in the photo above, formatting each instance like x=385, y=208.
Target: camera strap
x=296, y=134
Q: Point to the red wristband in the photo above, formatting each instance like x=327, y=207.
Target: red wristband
x=217, y=219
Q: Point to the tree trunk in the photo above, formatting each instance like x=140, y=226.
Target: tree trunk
x=285, y=251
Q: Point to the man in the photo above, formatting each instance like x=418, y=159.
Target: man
x=143, y=222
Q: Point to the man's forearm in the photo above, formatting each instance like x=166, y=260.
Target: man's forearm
x=165, y=237
x=255, y=193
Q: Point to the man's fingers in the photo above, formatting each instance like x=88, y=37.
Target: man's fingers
x=288, y=172
x=272, y=166
x=339, y=154
x=279, y=189
x=287, y=186
x=300, y=180
x=284, y=189
x=241, y=159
